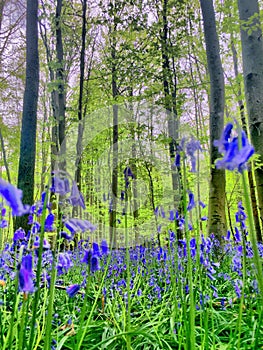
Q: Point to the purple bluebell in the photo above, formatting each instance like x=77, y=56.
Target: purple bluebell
x=36, y=244
x=202, y=204
x=78, y=225
x=13, y=196
x=241, y=216
x=191, y=147
x=237, y=235
x=128, y=173
x=223, y=143
x=171, y=215
x=94, y=263
x=19, y=235
x=122, y=195
x=3, y=223
x=60, y=186
x=87, y=256
x=25, y=275
x=235, y=153
x=104, y=247
x=49, y=222
x=64, y=234
x=76, y=198
x=73, y=290
x=191, y=203
x=177, y=161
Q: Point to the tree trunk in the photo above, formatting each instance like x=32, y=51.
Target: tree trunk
x=26, y=170
x=115, y=137
x=4, y=157
x=252, y=54
x=61, y=103
x=80, y=102
x=251, y=181
x=217, y=215
x=169, y=89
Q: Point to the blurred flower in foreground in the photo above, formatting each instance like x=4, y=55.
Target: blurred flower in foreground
x=60, y=186
x=236, y=152
x=13, y=197
x=76, y=198
x=77, y=225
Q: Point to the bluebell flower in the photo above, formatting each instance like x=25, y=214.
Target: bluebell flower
x=177, y=161
x=236, y=154
x=19, y=235
x=237, y=235
x=25, y=275
x=128, y=173
x=73, y=290
x=65, y=235
x=87, y=256
x=60, y=186
x=122, y=195
x=94, y=263
x=191, y=203
x=3, y=223
x=104, y=247
x=241, y=215
x=49, y=222
x=171, y=215
x=191, y=147
x=76, y=198
x=13, y=197
x=189, y=150
x=78, y=225
x=202, y=204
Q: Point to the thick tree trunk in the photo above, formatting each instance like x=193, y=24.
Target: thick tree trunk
x=26, y=169
x=244, y=127
x=217, y=216
x=252, y=54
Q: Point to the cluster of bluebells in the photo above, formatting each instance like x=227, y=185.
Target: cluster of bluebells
x=236, y=149
x=173, y=214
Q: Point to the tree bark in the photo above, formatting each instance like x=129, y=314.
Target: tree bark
x=26, y=170
x=252, y=54
x=61, y=86
x=217, y=215
x=251, y=181
x=115, y=137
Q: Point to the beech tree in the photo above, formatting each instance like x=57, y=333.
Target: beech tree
x=217, y=216
x=26, y=169
x=252, y=54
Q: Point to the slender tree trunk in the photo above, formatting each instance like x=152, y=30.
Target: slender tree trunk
x=244, y=126
x=252, y=54
x=61, y=96
x=169, y=88
x=217, y=215
x=115, y=137
x=80, y=102
x=4, y=157
x=26, y=170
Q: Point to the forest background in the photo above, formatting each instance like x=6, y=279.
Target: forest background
x=115, y=86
